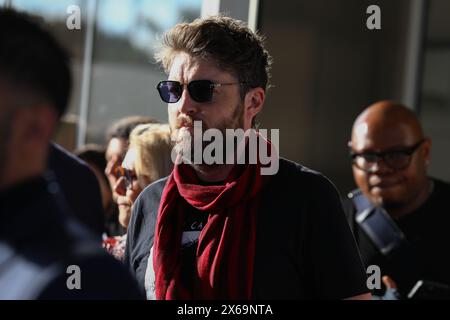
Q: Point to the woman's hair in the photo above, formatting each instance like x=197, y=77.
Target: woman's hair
x=153, y=149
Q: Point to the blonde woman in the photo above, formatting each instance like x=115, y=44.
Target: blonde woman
x=147, y=160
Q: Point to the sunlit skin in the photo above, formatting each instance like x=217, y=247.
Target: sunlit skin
x=225, y=111
x=115, y=153
x=386, y=126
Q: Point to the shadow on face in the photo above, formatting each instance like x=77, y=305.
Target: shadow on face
x=381, y=136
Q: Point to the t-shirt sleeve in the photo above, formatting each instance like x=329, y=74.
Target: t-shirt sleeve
x=335, y=265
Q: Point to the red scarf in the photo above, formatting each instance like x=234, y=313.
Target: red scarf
x=226, y=245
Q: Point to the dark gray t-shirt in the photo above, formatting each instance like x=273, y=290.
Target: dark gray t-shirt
x=304, y=246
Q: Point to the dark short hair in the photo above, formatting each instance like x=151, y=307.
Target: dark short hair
x=229, y=42
x=93, y=154
x=122, y=128
x=32, y=61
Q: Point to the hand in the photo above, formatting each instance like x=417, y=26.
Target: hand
x=391, y=289
x=389, y=283
x=391, y=292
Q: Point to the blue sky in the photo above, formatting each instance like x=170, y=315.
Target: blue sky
x=49, y=8
x=115, y=16
x=119, y=17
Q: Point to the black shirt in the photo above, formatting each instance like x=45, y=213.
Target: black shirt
x=426, y=230
x=304, y=246
x=79, y=187
x=40, y=240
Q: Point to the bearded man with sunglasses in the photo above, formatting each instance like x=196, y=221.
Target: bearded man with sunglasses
x=224, y=230
x=399, y=215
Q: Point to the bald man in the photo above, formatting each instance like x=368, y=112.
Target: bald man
x=399, y=216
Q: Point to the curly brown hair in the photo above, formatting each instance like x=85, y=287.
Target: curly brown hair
x=229, y=42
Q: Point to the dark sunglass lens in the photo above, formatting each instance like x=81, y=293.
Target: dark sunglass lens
x=118, y=172
x=201, y=90
x=170, y=91
x=128, y=178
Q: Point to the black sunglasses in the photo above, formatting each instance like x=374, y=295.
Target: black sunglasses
x=128, y=175
x=199, y=90
x=398, y=159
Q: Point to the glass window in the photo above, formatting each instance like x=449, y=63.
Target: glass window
x=124, y=73
x=55, y=15
x=435, y=102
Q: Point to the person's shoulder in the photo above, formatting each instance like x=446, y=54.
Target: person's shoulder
x=72, y=174
x=68, y=169
x=145, y=208
x=58, y=156
x=142, y=223
x=441, y=185
x=108, y=278
x=292, y=171
x=156, y=187
x=92, y=276
x=440, y=194
x=151, y=195
x=302, y=178
x=349, y=204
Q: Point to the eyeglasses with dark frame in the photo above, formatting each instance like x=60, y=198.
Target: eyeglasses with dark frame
x=397, y=159
x=199, y=90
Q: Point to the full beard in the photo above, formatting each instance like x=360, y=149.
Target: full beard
x=187, y=140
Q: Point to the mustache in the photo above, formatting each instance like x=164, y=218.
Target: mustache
x=184, y=121
x=187, y=121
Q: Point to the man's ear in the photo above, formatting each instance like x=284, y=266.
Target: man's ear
x=426, y=150
x=253, y=103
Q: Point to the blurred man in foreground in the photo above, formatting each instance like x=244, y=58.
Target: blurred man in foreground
x=44, y=252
